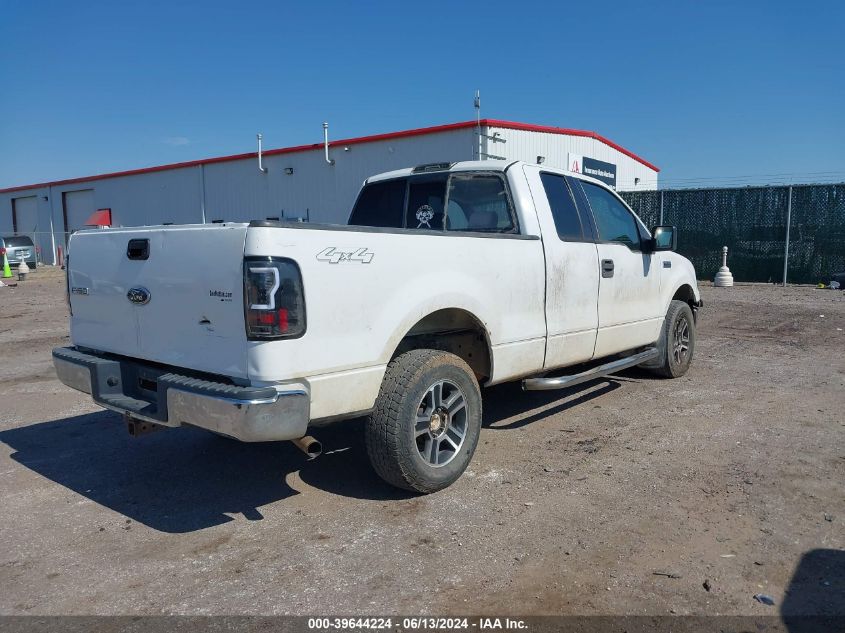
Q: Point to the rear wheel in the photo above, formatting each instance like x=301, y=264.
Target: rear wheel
x=677, y=342
x=425, y=426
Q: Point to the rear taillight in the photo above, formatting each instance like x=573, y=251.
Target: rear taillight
x=274, y=301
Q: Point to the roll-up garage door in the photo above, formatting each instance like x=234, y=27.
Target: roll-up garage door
x=78, y=207
x=25, y=217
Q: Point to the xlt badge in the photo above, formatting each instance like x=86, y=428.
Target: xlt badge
x=223, y=295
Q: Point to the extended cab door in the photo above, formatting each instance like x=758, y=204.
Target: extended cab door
x=629, y=303
x=572, y=274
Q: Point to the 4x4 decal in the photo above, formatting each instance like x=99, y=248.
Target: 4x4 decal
x=334, y=256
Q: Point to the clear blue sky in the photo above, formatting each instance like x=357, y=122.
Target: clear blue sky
x=703, y=90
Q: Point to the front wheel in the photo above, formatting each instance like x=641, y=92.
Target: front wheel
x=425, y=425
x=677, y=342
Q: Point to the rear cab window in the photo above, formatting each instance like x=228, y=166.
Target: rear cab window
x=480, y=203
x=477, y=202
x=426, y=199
x=380, y=204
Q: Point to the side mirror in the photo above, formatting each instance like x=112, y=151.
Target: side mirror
x=664, y=238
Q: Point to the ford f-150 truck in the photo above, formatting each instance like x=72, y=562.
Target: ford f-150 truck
x=448, y=277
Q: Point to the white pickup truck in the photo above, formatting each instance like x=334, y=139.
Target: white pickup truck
x=448, y=277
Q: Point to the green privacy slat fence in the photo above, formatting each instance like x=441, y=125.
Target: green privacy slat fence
x=751, y=222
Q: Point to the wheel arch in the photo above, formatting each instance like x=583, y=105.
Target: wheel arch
x=686, y=293
x=455, y=330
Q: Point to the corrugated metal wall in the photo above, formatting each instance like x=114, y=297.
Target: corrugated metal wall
x=238, y=191
x=154, y=198
x=527, y=145
x=235, y=191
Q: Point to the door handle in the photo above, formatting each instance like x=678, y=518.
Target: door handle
x=607, y=268
x=138, y=249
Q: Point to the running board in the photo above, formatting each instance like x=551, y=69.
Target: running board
x=544, y=384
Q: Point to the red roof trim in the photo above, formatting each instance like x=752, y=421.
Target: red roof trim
x=568, y=132
x=342, y=142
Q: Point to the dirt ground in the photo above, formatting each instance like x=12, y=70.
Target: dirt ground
x=624, y=496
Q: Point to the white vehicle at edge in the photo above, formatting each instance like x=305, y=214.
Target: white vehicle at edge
x=449, y=276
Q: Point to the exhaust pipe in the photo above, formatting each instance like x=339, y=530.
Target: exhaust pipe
x=309, y=446
x=330, y=161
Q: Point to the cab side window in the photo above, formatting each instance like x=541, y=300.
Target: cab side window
x=614, y=222
x=564, y=212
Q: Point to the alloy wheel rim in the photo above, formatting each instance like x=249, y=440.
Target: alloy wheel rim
x=441, y=423
x=681, y=340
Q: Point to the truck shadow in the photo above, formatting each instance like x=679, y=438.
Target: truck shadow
x=185, y=479
x=508, y=407
x=814, y=601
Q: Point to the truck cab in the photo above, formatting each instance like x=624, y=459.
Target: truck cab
x=599, y=256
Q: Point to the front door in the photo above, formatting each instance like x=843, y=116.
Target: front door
x=629, y=283
x=572, y=277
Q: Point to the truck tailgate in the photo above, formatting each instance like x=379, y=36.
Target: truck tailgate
x=193, y=279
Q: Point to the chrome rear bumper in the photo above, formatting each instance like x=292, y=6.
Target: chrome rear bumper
x=145, y=392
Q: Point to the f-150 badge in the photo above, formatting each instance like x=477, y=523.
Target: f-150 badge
x=334, y=256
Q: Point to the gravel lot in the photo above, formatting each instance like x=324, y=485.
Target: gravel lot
x=618, y=497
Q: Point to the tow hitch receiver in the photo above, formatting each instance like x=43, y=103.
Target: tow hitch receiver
x=137, y=428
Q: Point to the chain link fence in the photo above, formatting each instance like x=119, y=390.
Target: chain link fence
x=752, y=222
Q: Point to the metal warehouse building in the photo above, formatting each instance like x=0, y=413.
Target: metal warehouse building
x=315, y=182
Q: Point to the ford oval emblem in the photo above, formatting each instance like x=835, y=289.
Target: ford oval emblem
x=138, y=295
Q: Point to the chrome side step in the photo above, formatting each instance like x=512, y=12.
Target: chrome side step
x=544, y=384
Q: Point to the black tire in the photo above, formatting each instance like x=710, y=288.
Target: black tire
x=394, y=436
x=672, y=361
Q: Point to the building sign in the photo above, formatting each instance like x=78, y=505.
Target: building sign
x=605, y=172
